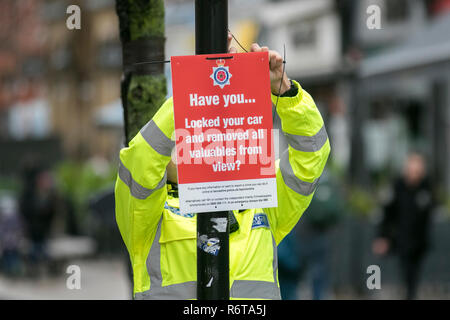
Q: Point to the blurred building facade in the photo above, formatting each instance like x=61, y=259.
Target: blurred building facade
x=53, y=80
x=84, y=70
x=400, y=90
x=22, y=53
x=331, y=50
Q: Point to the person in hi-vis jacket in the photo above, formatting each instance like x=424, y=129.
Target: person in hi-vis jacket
x=162, y=242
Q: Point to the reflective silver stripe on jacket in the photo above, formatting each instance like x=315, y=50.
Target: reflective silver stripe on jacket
x=188, y=290
x=136, y=190
x=157, y=139
x=253, y=289
x=291, y=180
x=308, y=144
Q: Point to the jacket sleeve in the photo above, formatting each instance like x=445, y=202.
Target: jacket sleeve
x=299, y=168
x=140, y=191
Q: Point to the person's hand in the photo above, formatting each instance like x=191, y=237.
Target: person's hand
x=230, y=48
x=275, y=67
x=380, y=246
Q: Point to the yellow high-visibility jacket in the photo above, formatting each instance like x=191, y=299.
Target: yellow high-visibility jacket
x=162, y=243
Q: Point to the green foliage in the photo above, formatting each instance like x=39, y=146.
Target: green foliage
x=10, y=184
x=141, y=21
x=146, y=18
x=447, y=206
x=146, y=94
x=361, y=202
x=80, y=181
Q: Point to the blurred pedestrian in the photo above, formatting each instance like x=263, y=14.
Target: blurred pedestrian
x=314, y=244
x=11, y=235
x=289, y=266
x=38, y=205
x=404, y=228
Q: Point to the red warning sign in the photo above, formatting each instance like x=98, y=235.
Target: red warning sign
x=223, y=127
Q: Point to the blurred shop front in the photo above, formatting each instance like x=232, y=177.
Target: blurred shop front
x=311, y=33
x=401, y=103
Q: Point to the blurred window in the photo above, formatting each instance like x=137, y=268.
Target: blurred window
x=29, y=120
x=303, y=34
x=60, y=58
x=386, y=137
x=109, y=55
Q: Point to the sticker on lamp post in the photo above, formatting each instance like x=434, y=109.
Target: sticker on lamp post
x=223, y=126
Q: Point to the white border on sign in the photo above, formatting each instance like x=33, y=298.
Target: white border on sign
x=228, y=195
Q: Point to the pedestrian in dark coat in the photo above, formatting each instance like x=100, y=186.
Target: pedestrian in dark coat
x=405, y=226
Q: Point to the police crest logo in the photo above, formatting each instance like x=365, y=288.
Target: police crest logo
x=221, y=75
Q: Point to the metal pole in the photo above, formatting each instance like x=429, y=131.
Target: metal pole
x=213, y=271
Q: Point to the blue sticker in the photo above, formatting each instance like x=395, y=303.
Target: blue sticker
x=209, y=245
x=177, y=211
x=260, y=220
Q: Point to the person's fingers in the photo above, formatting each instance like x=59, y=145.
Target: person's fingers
x=278, y=61
x=272, y=60
x=255, y=48
x=232, y=50
x=229, y=39
x=264, y=49
x=275, y=60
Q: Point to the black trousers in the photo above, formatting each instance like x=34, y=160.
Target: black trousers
x=410, y=267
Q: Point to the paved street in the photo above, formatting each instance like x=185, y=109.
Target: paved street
x=100, y=279
x=108, y=280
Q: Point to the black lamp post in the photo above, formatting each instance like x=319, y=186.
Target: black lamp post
x=213, y=271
